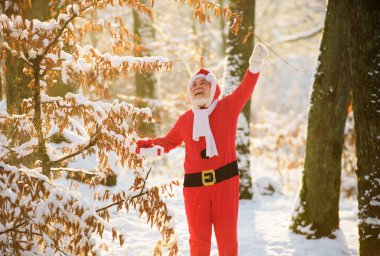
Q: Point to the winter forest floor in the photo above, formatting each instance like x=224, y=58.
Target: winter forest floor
x=263, y=222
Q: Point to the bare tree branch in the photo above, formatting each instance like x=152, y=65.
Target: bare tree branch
x=13, y=228
x=271, y=49
x=90, y=144
x=20, y=57
x=132, y=197
x=301, y=36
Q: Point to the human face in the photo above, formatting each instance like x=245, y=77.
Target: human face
x=200, y=88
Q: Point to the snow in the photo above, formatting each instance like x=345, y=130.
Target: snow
x=87, y=56
x=371, y=221
x=26, y=148
x=7, y=193
x=267, y=185
x=263, y=227
x=62, y=18
x=76, y=9
x=101, y=22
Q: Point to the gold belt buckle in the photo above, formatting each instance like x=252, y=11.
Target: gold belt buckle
x=208, y=177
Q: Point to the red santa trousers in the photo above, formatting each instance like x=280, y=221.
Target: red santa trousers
x=213, y=205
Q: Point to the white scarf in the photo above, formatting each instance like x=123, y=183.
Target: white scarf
x=201, y=127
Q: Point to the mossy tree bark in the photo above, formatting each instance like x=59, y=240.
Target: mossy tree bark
x=145, y=82
x=223, y=31
x=16, y=82
x=317, y=212
x=238, y=54
x=364, y=64
x=1, y=83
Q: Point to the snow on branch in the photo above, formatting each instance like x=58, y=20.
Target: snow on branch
x=301, y=35
x=90, y=127
x=33, y=39
x=148, y=201
x=88, y=67
x=36, y=217
x=103, y=125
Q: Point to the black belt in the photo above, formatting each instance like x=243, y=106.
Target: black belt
x=211, y=177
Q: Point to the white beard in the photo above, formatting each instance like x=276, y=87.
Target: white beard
x=200, y=102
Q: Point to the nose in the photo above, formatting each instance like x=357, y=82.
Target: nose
x=198, y=85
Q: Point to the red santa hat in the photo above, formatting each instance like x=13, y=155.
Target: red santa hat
x=210, y=77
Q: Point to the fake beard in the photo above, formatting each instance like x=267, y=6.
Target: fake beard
x=200, y=102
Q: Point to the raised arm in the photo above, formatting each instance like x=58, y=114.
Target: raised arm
x=243, y=92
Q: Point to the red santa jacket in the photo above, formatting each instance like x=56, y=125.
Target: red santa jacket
x=223, y=123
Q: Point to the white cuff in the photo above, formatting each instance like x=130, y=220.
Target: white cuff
x=255, y=67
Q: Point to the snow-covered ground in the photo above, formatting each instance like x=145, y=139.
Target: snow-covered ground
x=263, y=222
x=263, y=230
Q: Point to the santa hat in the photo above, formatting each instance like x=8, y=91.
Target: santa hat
x=210, y=77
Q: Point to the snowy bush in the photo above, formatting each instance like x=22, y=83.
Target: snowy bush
x=280, y=146
x=267, y=185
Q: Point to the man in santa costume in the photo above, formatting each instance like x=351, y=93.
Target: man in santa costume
x=211, y=184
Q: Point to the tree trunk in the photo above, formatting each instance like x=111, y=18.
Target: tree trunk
x=1, y=80
x=223, y=33
x=38, y=120
x=237, y=63
x=318, y=208
x=15, y=84
x=364, y=64
x=145, y=82
x=2, y=66
x=15, y=80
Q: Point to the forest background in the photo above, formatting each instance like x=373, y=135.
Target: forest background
x=271, y=139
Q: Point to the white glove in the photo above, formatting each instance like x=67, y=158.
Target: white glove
x=148, y=152
x=257, y=57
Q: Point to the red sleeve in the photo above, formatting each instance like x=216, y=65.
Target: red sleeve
x=172, y=140
x=243, y=92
